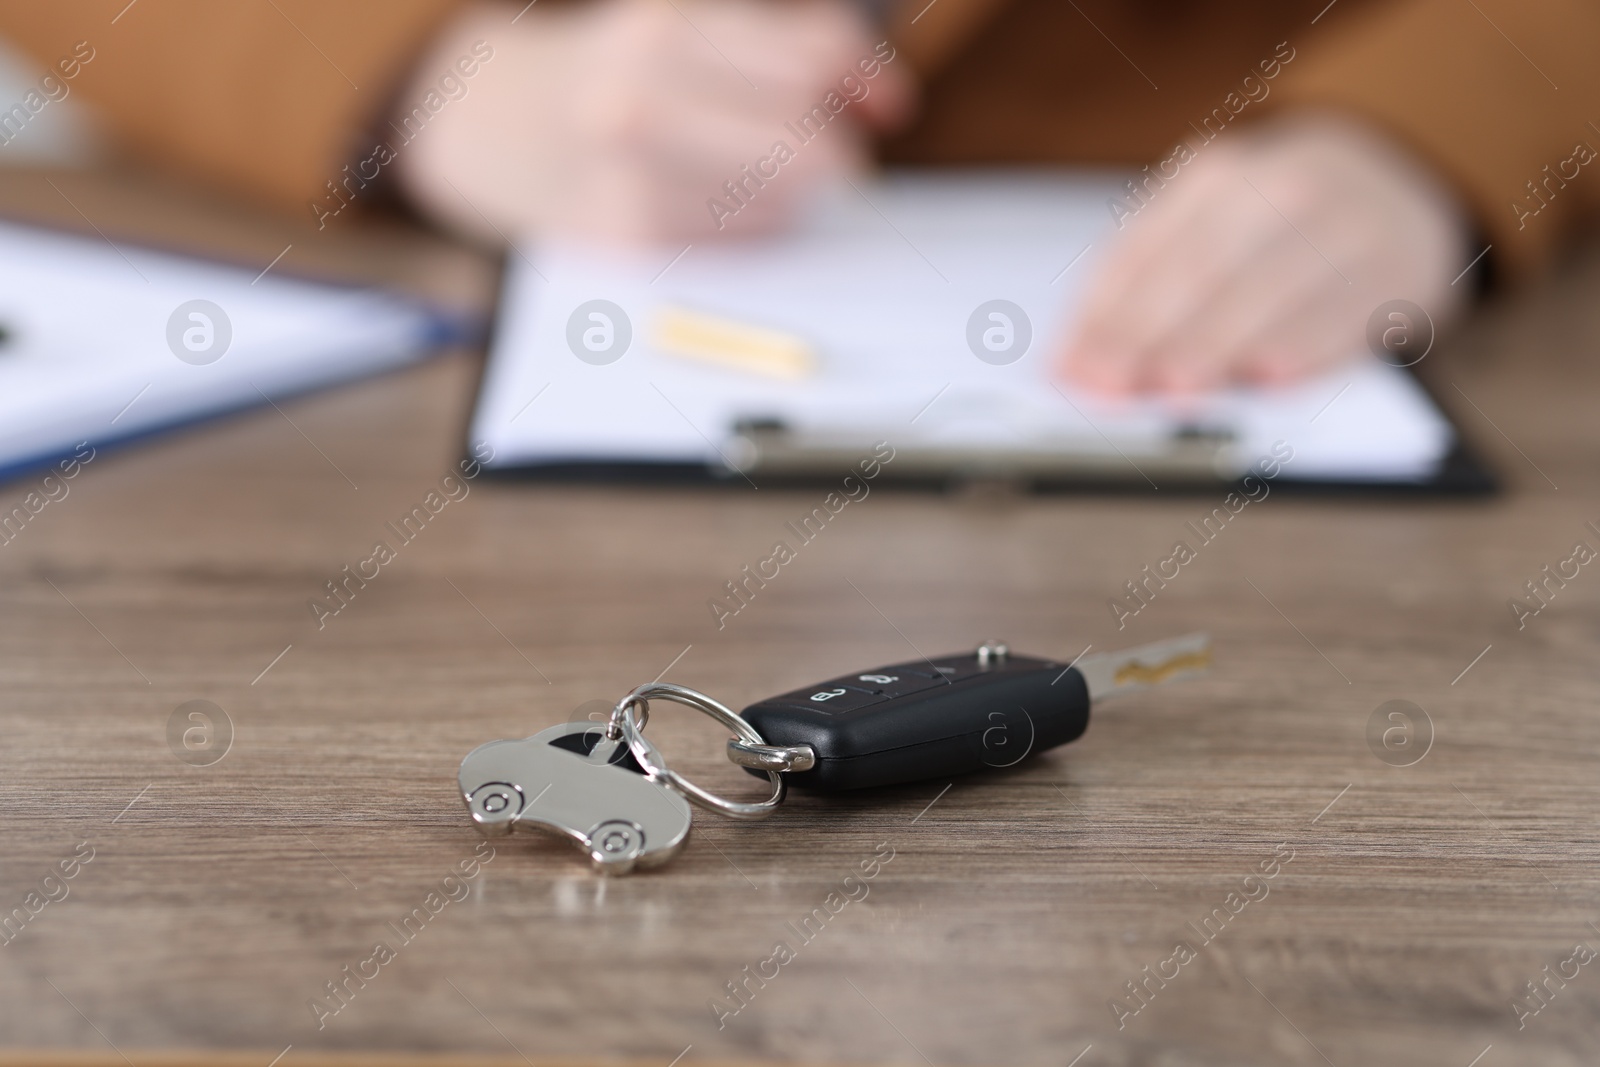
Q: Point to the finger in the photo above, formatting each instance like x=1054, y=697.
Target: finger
x=1208, y=350
x=1148, y=296
x=1142, y=239
x=1309, y=339
x=892, y=99
x=772, y=51
x=686, y=189
x=1157, y=246
x=646, y=52
x=1213, y=246
x=720, y=156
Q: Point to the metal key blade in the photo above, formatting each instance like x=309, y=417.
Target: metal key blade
x=1110, y=673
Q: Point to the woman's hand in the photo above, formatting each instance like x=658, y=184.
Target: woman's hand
x=620, y=120
x=1263, y=259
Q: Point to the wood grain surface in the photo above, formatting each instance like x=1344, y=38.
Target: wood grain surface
x=1407, y=909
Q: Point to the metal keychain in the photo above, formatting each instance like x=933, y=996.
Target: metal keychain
x=607, y=788
x=628, y=721
x=573, y=780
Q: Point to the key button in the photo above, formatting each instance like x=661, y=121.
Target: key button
x=892, y=683
x=943, y=669
x=831, y=697
x=957, y=668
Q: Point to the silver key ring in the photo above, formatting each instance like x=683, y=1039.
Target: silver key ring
x=633, y=711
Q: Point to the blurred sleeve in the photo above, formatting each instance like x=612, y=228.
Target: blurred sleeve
x=267, y=97
x=1490, y=92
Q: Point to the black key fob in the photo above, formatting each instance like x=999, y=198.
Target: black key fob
x=926, y=719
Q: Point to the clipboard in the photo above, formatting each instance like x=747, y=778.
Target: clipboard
x=111, y=343
x=890, y=287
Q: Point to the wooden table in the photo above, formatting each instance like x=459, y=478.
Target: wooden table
x=1406, y=911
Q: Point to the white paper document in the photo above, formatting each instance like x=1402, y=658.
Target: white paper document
x=892, y=286
x=107, y=341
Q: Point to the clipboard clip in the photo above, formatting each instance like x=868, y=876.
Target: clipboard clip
x=1192, y=454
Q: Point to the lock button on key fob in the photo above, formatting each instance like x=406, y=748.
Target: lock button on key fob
x=893, y=682
x=831, y=698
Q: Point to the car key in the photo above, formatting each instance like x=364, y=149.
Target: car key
x=946, y=715
x=608, y=789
